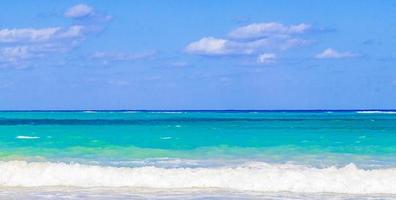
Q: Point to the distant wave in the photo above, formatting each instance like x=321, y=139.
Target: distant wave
x=26, y=137
x=167, y=112
x=33, y=121
x=376, y=112
x=260, y=177
x=89, y=111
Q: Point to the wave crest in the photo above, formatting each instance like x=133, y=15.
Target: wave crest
x=26, y=137
x=250, y=177
x=376, y=112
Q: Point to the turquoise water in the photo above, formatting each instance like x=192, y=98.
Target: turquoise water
x=139, y=135
x=271, y=142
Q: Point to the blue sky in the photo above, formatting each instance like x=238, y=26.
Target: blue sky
x=198, y=55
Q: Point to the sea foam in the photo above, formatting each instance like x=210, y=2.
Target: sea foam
x=26, y=137
x=376, y=112
x=261, y=177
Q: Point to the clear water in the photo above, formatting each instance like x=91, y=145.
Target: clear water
x=271, y=155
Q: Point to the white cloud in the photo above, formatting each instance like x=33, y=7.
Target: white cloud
x=217, y=47
x=14, y=54
x=87, y=14
x=17, y=45
x=79, y=11
x=266, y=58
x=259, y=30
x=31, y=35
x=252, y=40
x=121, y=56
x=27, y=34
x=72, y=32
x=331, y=53
x=208, y=46
x=214, y=46
x=220, y=47
x=23, y=44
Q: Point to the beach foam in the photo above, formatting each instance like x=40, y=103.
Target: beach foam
x=261, y=177
x=26, y=137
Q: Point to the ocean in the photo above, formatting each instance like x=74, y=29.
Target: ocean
x=198, y=154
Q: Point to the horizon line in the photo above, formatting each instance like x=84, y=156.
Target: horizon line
x=194, y=110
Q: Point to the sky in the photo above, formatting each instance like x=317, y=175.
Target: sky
x=197, y=54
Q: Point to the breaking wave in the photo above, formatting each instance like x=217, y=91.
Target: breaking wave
x=260, y=177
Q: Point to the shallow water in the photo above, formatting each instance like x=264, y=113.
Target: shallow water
x=270, y=155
